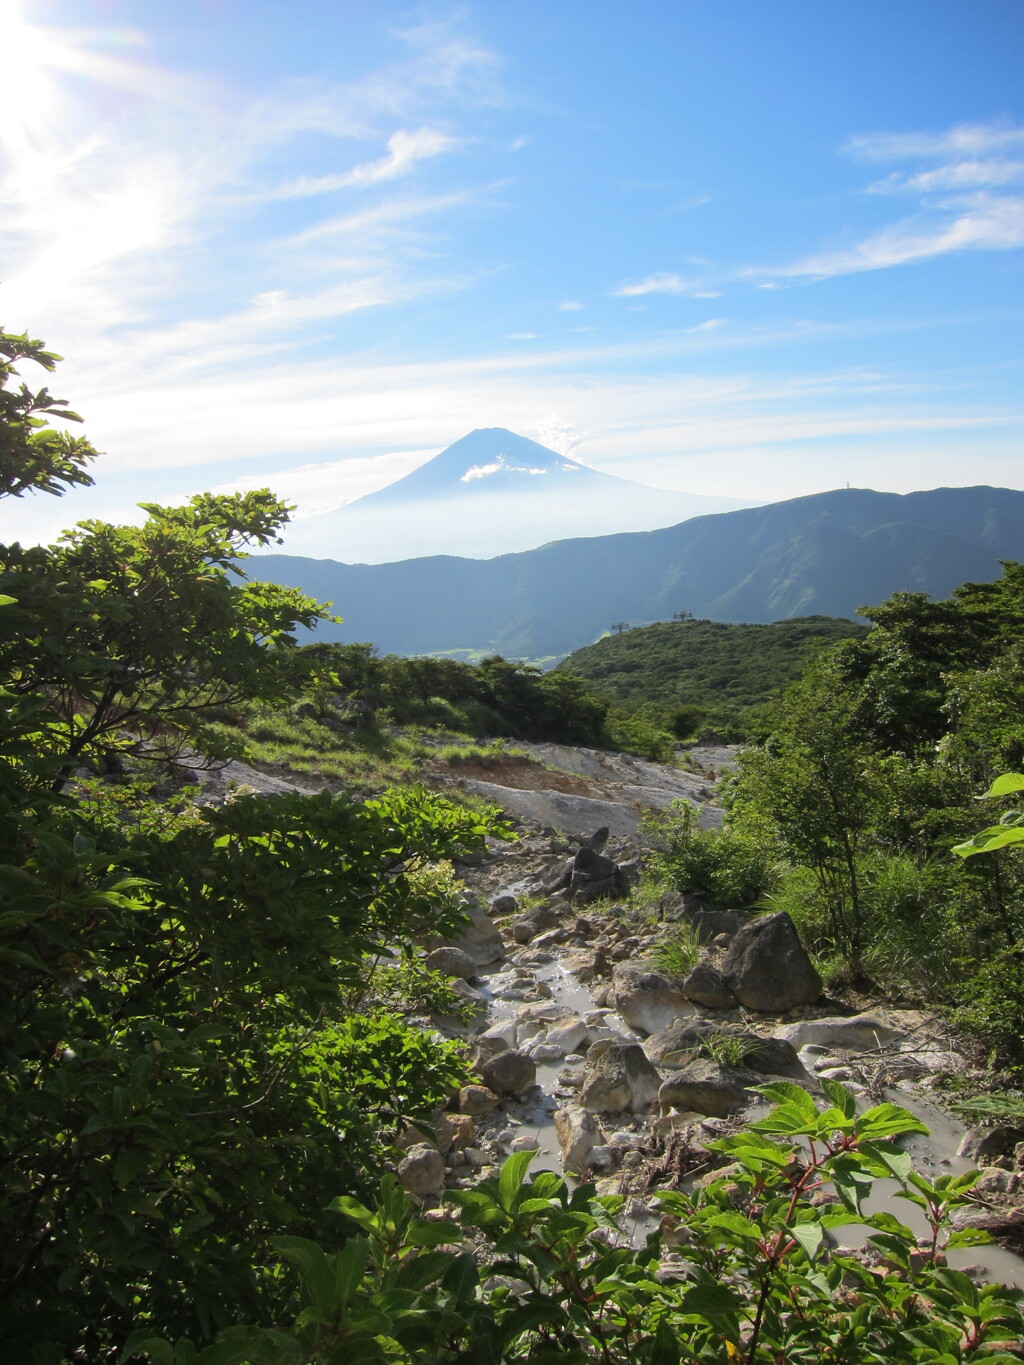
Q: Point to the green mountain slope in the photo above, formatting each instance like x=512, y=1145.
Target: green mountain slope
x=704, y=662
x=827, y=554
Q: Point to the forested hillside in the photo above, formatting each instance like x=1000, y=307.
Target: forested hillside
x=707, y=667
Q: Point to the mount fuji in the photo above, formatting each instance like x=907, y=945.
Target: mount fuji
x=490, y=493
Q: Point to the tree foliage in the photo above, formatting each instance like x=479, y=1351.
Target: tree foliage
x=184, y=1072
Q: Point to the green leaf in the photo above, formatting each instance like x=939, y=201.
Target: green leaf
x=510, y=1181
x=352, y=1208
x=423, y=1233
x=664, y=1347
x=887, y=1120
x=1006, y=783
x=996, y=836
x=810, y=1236
x=842, y=1098
x=349, y=1268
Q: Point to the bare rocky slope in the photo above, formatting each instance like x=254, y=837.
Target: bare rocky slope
x=587, y=1054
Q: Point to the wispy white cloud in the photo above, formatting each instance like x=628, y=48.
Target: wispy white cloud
x=957, y=175
x=570, y=306
x=405, y=149
x=559, y=436
x=984, y=223
x=499, y=466
x=132, y=209
x=664, y=283
x=963, y=140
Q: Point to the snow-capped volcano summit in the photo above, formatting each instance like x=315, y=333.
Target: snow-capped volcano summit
x=490, y=493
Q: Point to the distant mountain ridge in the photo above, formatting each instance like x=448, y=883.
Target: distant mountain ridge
x=489, y=493
x=824, y=554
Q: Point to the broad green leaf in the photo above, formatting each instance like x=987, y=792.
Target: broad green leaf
x=887, y=1120
x=349, y=1268
x=843, y=1100
x=810, y=1236
x=510, y=1181
x=1006, y=783
x=423, y=1233
x=996, y=836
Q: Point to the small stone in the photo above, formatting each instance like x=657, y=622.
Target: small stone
x=705, y=986
x=577, y=1134
x=509, y=1073
x=523, y=1143
x=461, y=1128
x=477, y=1099
x=421, y=1170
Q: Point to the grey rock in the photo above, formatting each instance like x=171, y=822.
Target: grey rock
x=646, y=999
x=509, y=1073
x=772, y=1056
x=985, y=1145
x=679, y=1044
x=621, y=1079
x=536, y=922
x=504, y=905
x=705, y=986
x=767, y=968
x=852, y=1033
x=451, y=961
x=421, y=1170
x=704, y=1087
x=479, y=940
x=578, y=1133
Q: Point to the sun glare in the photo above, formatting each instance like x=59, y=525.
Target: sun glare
x=27, y=56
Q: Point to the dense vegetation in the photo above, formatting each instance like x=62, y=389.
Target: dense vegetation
x=690, y=674
x=864, y=780
x=197, y=1056
x=189, y=1056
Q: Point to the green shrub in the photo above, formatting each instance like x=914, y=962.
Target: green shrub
x=760, y=1280
x=993, y=1009
x=735, y=870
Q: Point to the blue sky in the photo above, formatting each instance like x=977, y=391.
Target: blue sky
x=735, y=247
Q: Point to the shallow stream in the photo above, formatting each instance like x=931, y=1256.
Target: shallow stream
x=932, y=1155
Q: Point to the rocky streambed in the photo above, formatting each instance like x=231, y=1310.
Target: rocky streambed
x=605, y=1067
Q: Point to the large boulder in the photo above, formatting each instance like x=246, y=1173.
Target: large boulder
x=646, y=999
x=479, y=940
x=852, y=1033
x=704, y=1087
x=509, y=1073
x=621, y=1079
x=767, y=968
x=593, y=875
x=451, y=961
